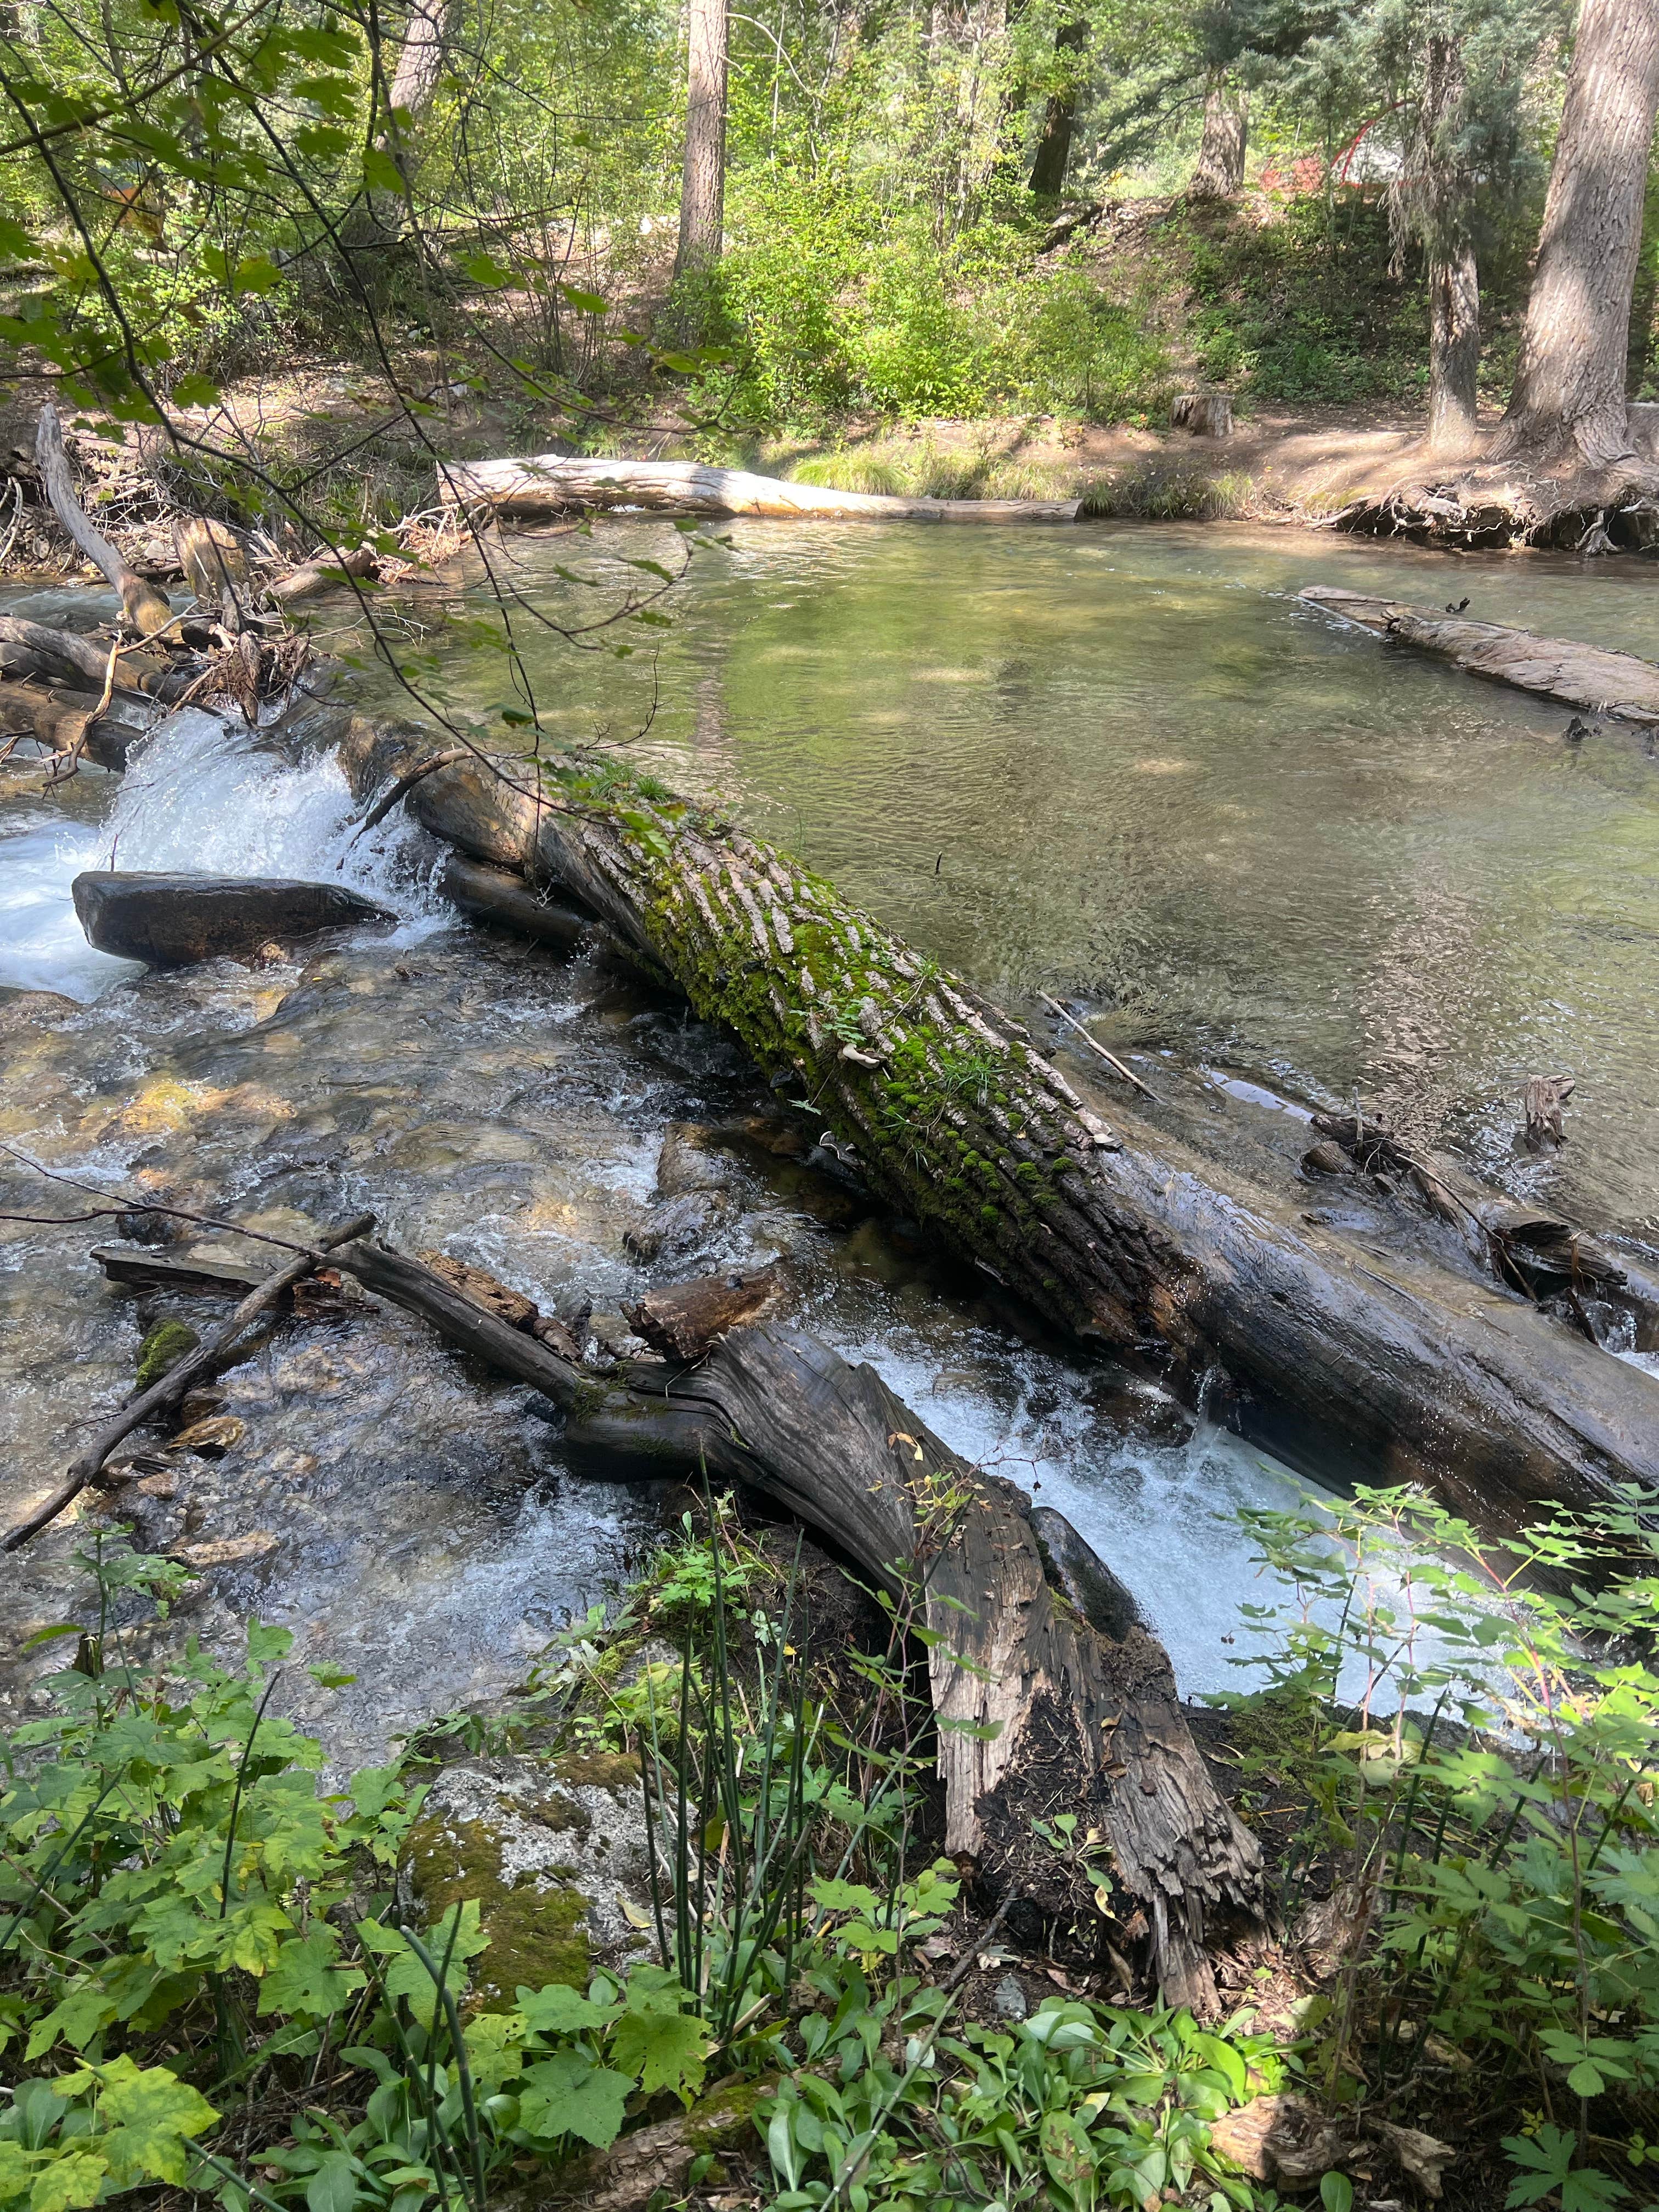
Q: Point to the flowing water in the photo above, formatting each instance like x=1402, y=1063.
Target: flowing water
x=1119, y=764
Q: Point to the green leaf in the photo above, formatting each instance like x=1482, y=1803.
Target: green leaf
x=305, y=1979
x=194, y=391
x=74, y=2020
x=1336, y=2192
x=565, y=2095
x=560, y=2010
x=74, y=2179
x=330, y=1678
x=1586, y=2078
x=661, y=2050
x=484, y=269
x=154, y=2115
x=590, y=303
x=382, y=173
x=333, y=2187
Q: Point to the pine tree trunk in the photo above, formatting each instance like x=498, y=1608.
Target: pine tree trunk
x=1220, y=170
x=1569, y=381
x=1454, y=347
x=1054, y=150
x=703, y=184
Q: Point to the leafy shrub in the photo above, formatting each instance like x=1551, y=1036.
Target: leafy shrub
x=1479, y=1741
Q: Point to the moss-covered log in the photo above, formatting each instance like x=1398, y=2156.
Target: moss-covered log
x=1350, y=1357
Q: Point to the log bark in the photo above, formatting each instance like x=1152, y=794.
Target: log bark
x=1615, y=684
x=551, y=484
x=1350, y=1357
x=147, y=609
x=206, y=1357
x=326, y=574
x=32, y=649
x=1570, y=378
x=1038, y=1707
x=60, y=718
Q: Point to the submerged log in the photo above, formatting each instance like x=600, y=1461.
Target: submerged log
x=1036, y=1706
x=1558, y=668
x=497, y=895
x=1352, y=1357
x=1535, y=1252
x=552, y=484
x=171, y=922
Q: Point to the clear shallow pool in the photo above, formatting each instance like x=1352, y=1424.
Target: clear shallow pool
x=1120, y=765
x=1123, y=762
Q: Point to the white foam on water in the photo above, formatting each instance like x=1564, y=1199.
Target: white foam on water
x=200, y=797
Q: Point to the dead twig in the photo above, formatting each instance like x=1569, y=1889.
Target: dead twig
x=1095, y=1046
x=173, y=1384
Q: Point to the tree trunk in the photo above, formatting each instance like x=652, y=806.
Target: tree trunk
x=1039, y=1709
x=1454, y=347
x=1569, y=379
x=414, y=82
x=1349, y=1355
x=1220, y=170
x=1054, y=149
x=703, y=184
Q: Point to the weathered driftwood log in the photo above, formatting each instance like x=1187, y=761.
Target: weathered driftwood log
x=550, y=484
x=61, y=719
x=498, y=895
x=170, y=921
x=145, y=607
x=684, y=1322
x=32, y=648
x=1036, y=1707
x=194, y=1367
x=146, y=1270
x=1616, y=683
x=1351, y=1357
x=327, y=573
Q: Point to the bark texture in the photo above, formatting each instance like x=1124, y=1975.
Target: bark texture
x=551, y=484
x=1349, y=1355
x=1039, y=1708
x=1054, y=147
x=703, y=182
x=1570, y=378
x=1220, y=174
x=144, y=607
x=1454, y=347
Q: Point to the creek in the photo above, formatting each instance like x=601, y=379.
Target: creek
x=1120, y=764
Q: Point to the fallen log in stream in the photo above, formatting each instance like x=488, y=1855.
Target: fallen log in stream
x=1616, y=683
x=1038, y=1708
x=1352, y=1357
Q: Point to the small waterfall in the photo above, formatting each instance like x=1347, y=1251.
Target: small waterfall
x=201, y=797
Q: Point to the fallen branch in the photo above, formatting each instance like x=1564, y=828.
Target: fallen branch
x=322, y=575
x=1344, y=1351
x=552, y=484
x=1097, y=1048
x=144, y=607
x=172, y=1385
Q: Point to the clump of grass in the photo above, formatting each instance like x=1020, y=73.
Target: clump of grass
x=1160, y=491
x=847, y=472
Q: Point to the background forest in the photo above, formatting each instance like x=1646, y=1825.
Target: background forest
x=493, y=212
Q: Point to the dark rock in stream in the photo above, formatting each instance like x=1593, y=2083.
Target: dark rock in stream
x=172, y=922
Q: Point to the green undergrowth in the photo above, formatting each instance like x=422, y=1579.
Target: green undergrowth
x=212, y=1980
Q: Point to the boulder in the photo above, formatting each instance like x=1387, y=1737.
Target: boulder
x=553, y=1851
x=169, y=922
